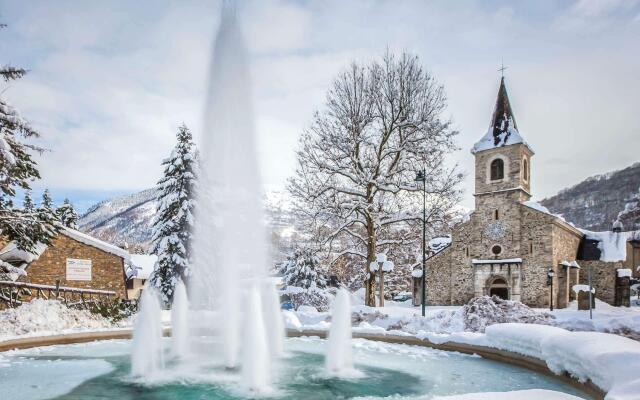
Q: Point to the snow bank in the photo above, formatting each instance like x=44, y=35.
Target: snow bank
x=532, y=394
x=484, y=311
x=46, y=317
x=610, y=361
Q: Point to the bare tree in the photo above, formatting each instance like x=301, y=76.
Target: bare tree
x=357, y=162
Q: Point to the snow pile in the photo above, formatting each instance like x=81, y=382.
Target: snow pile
x=612, y=245
x=623, y=321
x=582, y=288
x=43, y=317
x=609, y=361
x=624, y=272
x=484, y=311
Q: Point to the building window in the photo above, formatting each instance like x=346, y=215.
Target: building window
x=525, y=169
x=497, y=169
x=496, y=215
x=496, y=250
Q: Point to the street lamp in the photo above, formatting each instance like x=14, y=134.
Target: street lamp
x=421, y=176
x=381, y=265
x=550, y=275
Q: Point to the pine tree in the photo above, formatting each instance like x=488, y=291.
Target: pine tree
x=302, y=269
x=17, y=170
x=67, y=215
x=172, y=230
x=27, y=203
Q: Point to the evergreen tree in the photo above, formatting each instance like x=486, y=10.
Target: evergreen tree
x=67, y=215
x=302, y=269
x=172, y=230
x=27, y=203
x=17, y=170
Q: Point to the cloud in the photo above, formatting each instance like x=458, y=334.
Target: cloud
x=111, y=81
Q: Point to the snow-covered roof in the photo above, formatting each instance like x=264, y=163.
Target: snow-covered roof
x=623, y=272
x=416, y=273
x=503, y=130
x=91, y=241
x=504, y=261
x=612, y=245
x=582, y=288
x=15, y=261
x=143, y=265
x=440, y=243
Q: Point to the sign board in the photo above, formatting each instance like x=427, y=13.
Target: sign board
x=78, y=270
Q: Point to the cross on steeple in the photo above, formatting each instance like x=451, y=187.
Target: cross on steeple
x=502, y=68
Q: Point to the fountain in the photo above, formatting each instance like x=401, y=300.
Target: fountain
x=229, y=247
x=147, y=356
x=338, y=360
x=179, y=322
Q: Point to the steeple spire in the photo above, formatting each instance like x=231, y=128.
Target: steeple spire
x=503, y=130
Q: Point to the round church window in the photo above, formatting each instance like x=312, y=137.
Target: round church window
x=496, y=250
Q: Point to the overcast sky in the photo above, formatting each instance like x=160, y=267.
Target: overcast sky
x=111, y=81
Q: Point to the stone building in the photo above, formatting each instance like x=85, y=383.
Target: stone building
x=509, y=245
x=73, y=260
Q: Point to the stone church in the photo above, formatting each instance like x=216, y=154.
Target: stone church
x=509, y=245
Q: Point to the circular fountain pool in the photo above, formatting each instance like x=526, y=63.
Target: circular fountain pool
x=101, y=370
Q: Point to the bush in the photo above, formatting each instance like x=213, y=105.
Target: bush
x=114, y=310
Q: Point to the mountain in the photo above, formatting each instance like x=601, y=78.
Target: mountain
x=596, y=202
x=129, y=219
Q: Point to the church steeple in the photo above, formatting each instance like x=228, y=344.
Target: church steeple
x=503, y=129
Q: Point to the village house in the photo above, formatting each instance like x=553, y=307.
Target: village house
x=75, y=264
x=516, y=249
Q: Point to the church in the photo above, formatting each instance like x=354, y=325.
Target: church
x=516, y=249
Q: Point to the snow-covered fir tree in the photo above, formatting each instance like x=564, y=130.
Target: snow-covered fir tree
x=173, y=226
x=302, y=269
x=67, y=214
x=17, y=170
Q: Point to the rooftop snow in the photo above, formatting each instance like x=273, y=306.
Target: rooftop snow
x=439, y=243
x=143, y=265
x=505, y=261
x=91, y=241
x=612, y=245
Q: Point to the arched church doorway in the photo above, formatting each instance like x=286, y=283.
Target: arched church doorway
x=499, y=288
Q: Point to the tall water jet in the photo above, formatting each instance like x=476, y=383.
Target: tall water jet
x=180, y=322
x=273, y=318
x=147, y=354
x=229, y=239
x=338, y=360
x=255, y=354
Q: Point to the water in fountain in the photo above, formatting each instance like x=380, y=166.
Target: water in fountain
x=147, y=353
x=338, y=360
x=179, y=322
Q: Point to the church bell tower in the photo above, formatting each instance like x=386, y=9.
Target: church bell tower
x=503, y=158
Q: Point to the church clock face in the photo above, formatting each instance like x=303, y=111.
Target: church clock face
x=496, y=230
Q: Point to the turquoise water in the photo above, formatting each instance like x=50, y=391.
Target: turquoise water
x=100, y=370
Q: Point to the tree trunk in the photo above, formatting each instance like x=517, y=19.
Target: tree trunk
x=370, y=284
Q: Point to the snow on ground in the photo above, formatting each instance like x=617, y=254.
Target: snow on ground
x=533, y=394
x=47, y=317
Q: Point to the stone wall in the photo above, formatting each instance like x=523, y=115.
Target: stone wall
x=513, y=157
x=537, y=256
x=603, y=278
x=565, y=248
x=107, y=270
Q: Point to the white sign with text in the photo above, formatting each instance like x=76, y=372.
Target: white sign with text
x=78, y=270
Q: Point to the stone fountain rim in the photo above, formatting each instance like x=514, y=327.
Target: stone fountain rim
x=490, y=353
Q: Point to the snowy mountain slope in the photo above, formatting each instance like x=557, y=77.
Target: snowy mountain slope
x=596, y=202
x=130, y=218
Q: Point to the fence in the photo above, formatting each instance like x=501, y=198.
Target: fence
x=63, y=293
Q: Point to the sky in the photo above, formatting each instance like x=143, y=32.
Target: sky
x=111, y=81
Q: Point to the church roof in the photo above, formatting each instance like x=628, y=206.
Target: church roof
x=503, y=130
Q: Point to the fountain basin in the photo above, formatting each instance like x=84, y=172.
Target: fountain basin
x=387, y=369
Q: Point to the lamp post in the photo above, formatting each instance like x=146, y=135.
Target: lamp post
x=590, y=295
x=381, y=265
x=550, y=275
x=421, y=176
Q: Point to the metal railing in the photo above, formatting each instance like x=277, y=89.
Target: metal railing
x=62, y=293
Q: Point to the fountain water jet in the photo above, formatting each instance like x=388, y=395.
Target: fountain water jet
x=273, y=318
x=338, y=360
x=147, y=354
x=180, y=322
x=255, y=354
